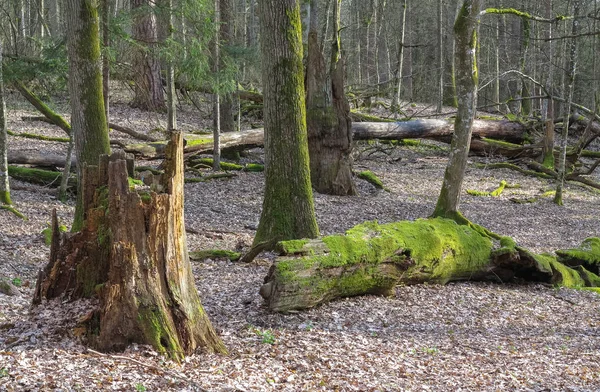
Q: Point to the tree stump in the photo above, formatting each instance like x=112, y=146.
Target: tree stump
x=132, y=255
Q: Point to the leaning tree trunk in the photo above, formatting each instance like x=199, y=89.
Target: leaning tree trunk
x=288, y=209
x=88, y=118
x=465, y=35
x=328, y=115
x=4, y=184
x=149, y=93
x=132, y=255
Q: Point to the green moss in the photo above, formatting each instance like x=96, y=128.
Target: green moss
x=35, y=176
x=587, y=254
x=565, y=276
x=372, y=178
x=146, y=197
x=47, y=233
x=133, y=182
x=5, y=198
x=254, y=167
x=590, y=278
x=12, y=209
x=39, y=137
x=195, y=141
x=291, y=246
x=224, y=165
x=505, y=11
x=155, y=326
x=439, y=249
x=215, y=254
x=495, y=193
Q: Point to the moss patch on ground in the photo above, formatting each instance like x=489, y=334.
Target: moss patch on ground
x=372, y=178
x=200, y=255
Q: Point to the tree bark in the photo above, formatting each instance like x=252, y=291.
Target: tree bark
x=399, y=63
x=571, y=61
x=132, y=255
x=4, y=184
x=226, y=20
x=88, y=119
x=465, y=35
x=146, y=66
x=288, y=209
x=328, y=115
x=373, y=259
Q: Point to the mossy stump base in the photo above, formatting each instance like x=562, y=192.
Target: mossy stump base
x=373, y=259
x=132, y=255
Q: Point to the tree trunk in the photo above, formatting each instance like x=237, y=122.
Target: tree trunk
x=373, y=259
x=4, y=184
x=571, y=61
x=132, y=255
x=465, y=34
x=328, y=115
x=399, y=64
x=548, y=104
x=440, y=48
x=88, y=119
x=288, y=209
x=146, y=66
x=226, y=21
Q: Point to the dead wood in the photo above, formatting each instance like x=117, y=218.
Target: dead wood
x=373, y=259
x=132, y=255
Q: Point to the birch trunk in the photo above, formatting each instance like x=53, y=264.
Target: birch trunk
x=4, y=184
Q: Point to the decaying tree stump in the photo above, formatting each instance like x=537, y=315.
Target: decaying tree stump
x=132, y=255
x=373, y=259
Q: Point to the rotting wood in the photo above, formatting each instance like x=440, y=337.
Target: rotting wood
x=440, y=130
x=132, y=255
x=373, y=259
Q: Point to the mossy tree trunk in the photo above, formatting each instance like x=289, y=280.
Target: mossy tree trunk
x=328, y=114
x=4, y=184
x=373, y=259
x=132, y=255
x=465, y=35
x=149, y=93
x=88, y=117
x=288, y=209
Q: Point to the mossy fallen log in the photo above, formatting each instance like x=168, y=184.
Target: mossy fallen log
x=200, y=255
x=38, y=176
x=373, y=259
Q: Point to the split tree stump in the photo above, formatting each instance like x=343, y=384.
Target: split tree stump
x=132, y=255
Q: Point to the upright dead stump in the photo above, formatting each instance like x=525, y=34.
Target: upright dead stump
x=132, y=255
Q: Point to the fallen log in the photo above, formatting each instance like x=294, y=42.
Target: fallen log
x=38, y=176
x=38, y=159
x=440, y=130
x=372, y=259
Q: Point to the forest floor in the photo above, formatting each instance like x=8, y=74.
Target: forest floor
x=462, y=336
